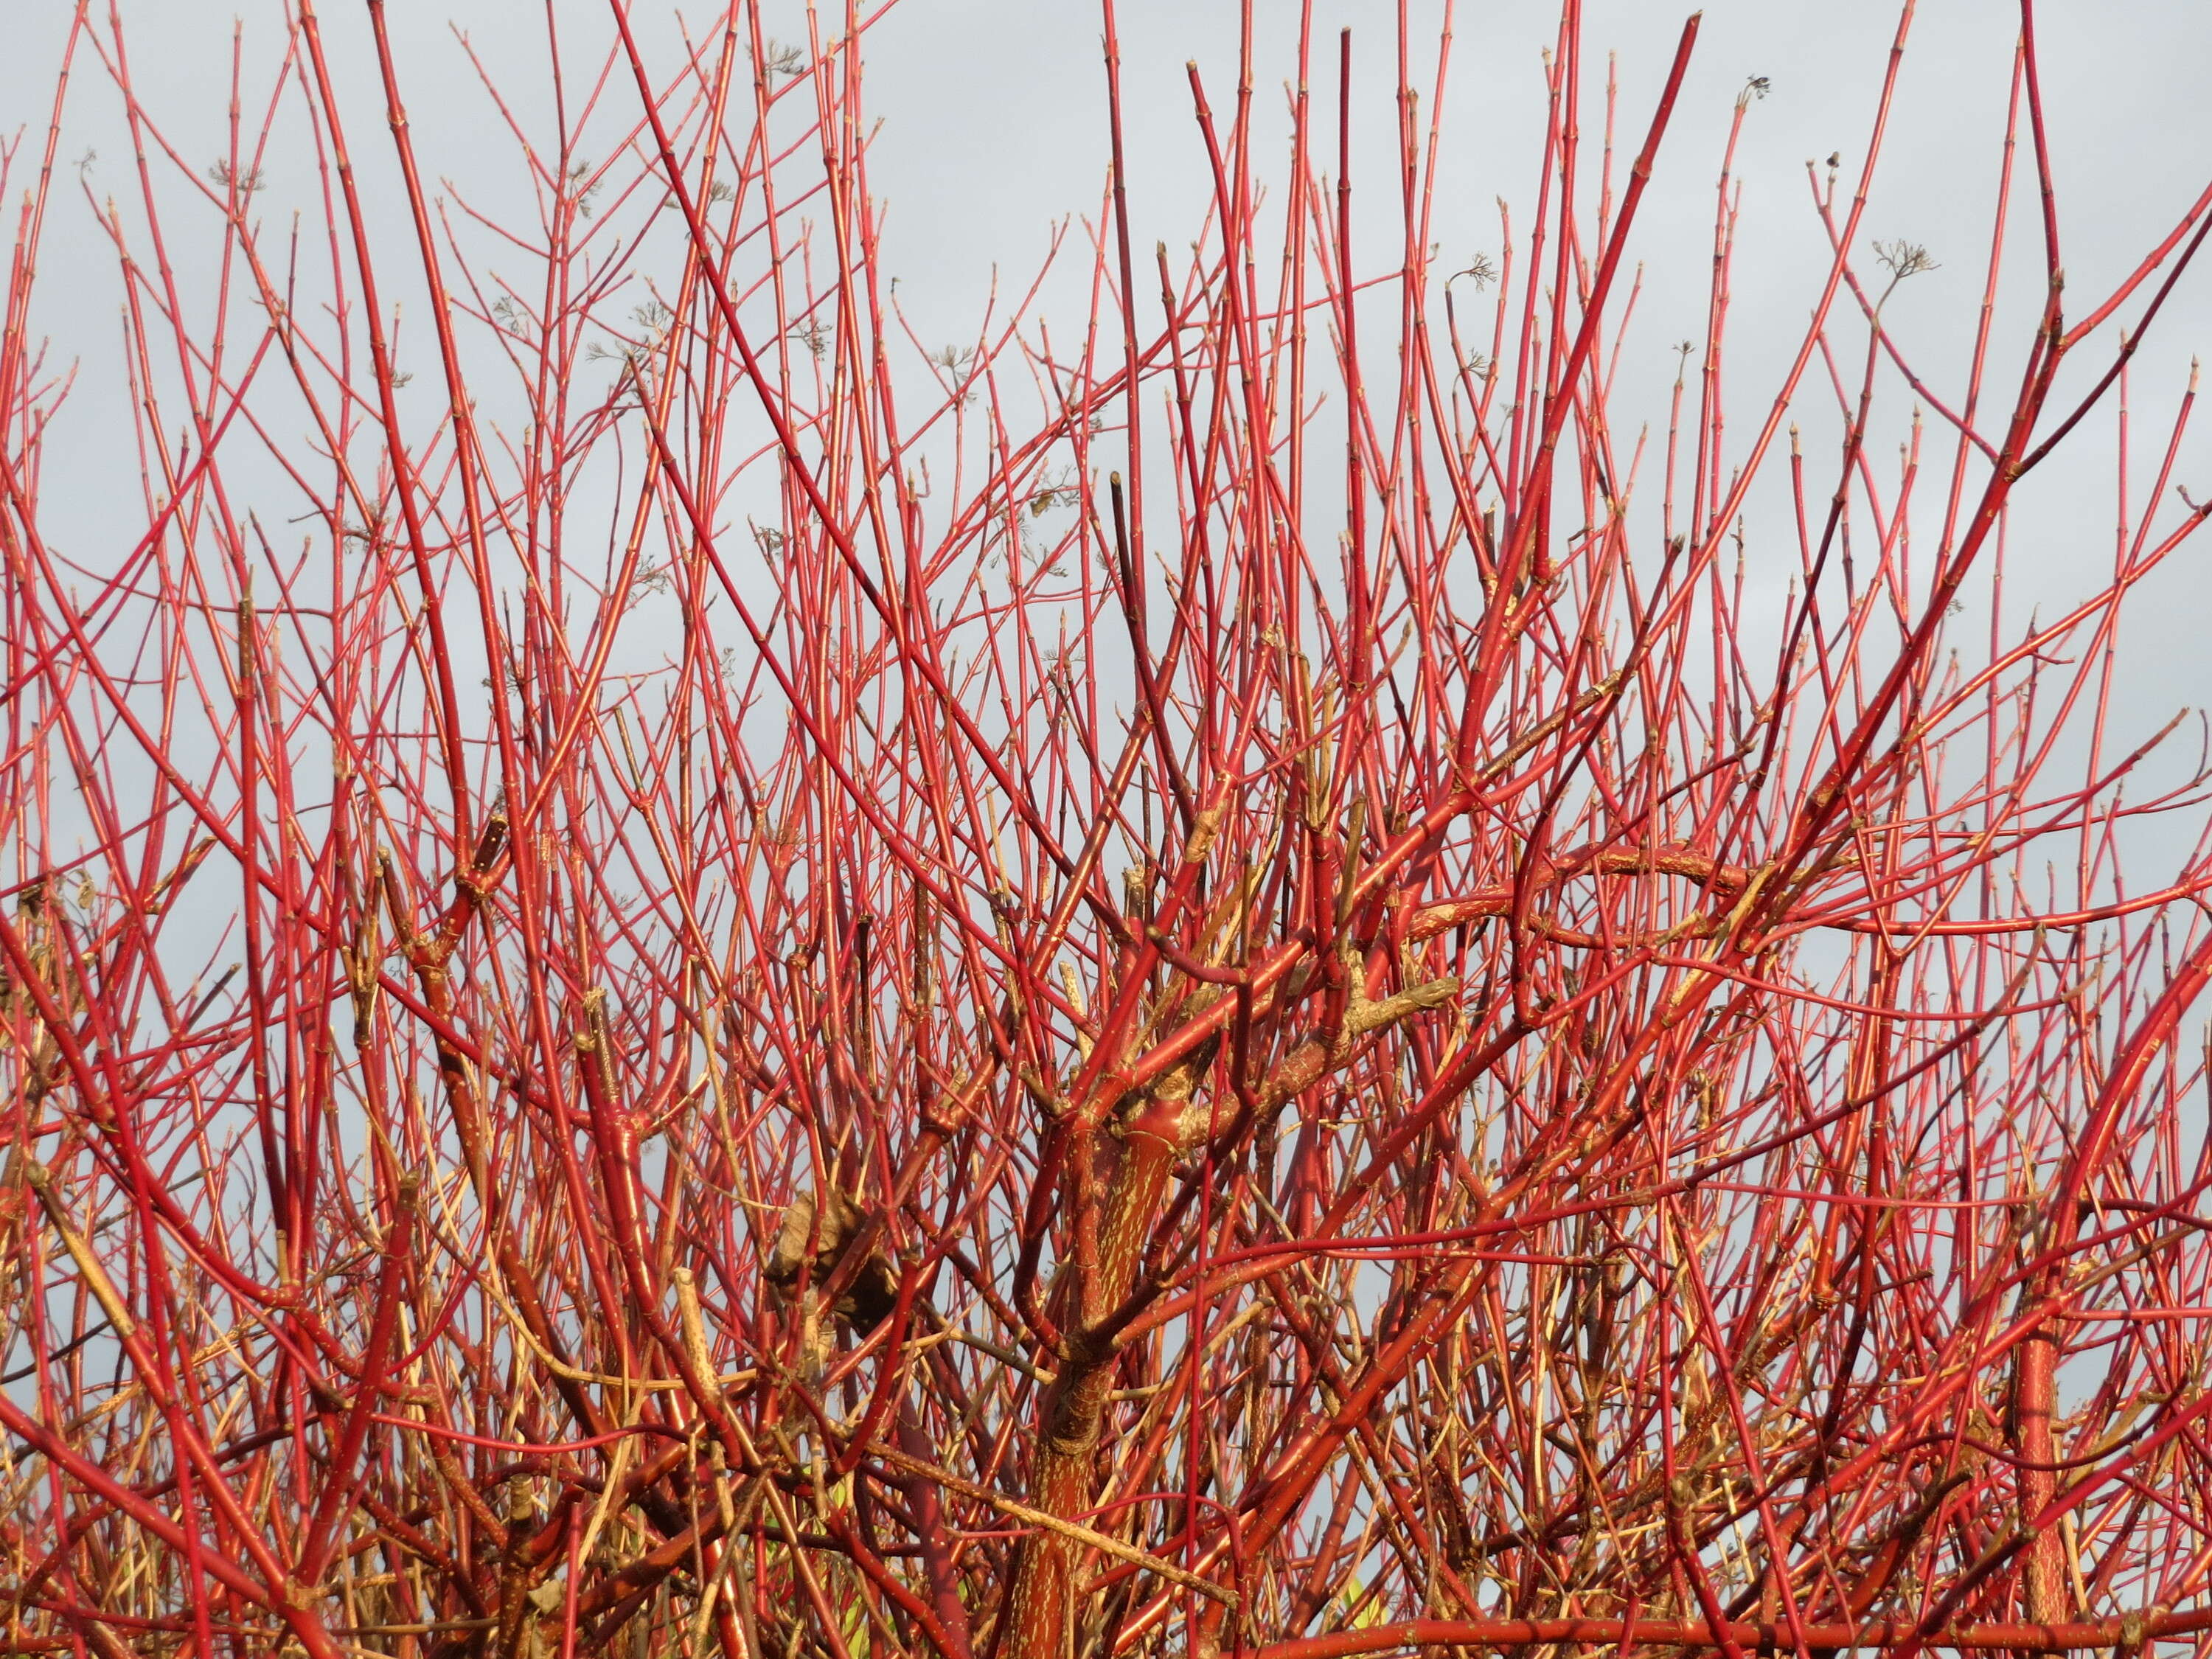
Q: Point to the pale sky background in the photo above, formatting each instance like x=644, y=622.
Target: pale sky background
x=993, y=113
x=994, y=130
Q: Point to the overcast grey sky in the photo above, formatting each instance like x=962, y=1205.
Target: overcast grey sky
x=993, y=130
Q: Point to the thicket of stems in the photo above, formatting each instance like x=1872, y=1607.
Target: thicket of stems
x=681, y=980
